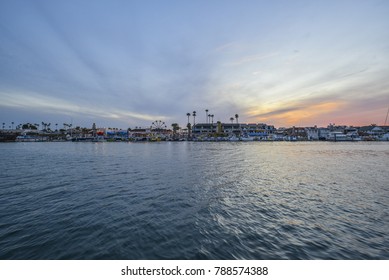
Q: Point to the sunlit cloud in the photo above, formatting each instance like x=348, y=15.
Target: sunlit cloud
x=42, y=103
x=302, y=114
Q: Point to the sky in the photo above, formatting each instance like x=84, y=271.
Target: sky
x=127, y=63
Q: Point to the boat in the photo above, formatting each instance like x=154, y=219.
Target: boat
x=339, y=136
x=233, y=138
x=30, y=138
x=89, y=139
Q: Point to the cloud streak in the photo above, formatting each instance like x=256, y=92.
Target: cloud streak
x=51, y=105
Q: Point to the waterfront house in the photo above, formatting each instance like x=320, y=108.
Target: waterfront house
x=312, y=133
x=139, y=134
x=295, y=133
x=384, y=137
x=232, y=128
x=258, y=130
x=323, y=133
x=371, y=132
x=204, y=128
x=336, y=136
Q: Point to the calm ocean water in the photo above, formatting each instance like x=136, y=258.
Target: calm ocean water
x=185, y=200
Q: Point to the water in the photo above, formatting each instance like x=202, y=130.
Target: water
x=184, y=200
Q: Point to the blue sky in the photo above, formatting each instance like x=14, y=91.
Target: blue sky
x=128, y=63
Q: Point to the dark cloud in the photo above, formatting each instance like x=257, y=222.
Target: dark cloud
x=278, y=112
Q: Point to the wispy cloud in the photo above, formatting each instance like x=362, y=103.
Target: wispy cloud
x=43, y=103
x=304, y=114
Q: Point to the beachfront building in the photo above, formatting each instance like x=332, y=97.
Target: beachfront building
x=384, y=137
x=114, y=134
x=323, y=133
x=205, y=128
x=139, y=134
x=342, y=133
x=371, y=132
x=149, y=134
x=258, y=130
x=232, y=129
x=312, y=133
x=295, y=133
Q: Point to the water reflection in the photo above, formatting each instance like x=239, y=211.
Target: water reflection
x=194, y=201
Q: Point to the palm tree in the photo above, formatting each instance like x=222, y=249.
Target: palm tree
x=236, y=117
x=3, y=124
x=71, y=130
x=69, y=127
x=232, y=122
x=56, y=127
x=206, y=115
x=218, y=127
x=188, y=115
x=44, y=126
x=194, y=118
x=189, y=129
x=175, y=129
x=212, y=123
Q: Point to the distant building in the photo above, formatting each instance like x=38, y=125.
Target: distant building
x=312, y=133
x=372, y=132
x=237, y=129
x=296, y=133
x=204, y=128
x=139, y=133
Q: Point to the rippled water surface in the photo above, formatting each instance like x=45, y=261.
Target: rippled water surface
x=185, y=200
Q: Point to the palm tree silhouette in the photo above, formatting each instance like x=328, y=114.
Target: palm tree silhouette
x=232, y=123
x=212, y=123
x=175, y=129
x=194, y=118
x=206, y=115
x=236, y=117
x=188, y=115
